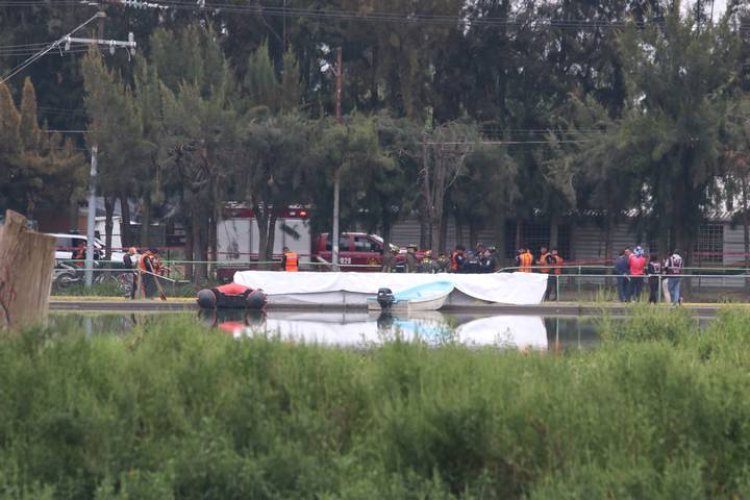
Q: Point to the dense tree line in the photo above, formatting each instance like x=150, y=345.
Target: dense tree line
x=481, y=111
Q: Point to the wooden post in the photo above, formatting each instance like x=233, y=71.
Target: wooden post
x=27, y=260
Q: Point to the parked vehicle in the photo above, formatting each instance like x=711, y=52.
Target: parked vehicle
x=357, y=252
x=65, y=275
x=238, y=244
x=65, y=245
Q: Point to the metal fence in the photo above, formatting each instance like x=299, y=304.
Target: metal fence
x=576, y=283
x=697, y=284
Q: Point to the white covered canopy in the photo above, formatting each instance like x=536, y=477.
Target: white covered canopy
x=331, y=288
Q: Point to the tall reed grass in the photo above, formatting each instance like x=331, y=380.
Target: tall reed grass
x=659, y=409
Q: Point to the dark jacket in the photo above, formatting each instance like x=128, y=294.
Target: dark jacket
x=621, y=264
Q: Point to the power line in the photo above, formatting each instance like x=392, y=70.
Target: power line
x=43, y=52
x=459, y=19
x=76, y=50
x=23, y=45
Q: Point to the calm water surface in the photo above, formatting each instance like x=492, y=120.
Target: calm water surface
x=361, y=328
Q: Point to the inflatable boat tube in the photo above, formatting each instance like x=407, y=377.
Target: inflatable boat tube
x=231, y=296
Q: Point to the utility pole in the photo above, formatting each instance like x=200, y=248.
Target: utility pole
x=65, y=42
x=91, y=216
x=337, y=175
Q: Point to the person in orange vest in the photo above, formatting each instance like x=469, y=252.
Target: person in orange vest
x=457, y=259
x=545, y=259
x=289, y=261
x=544, y=263
x=524, y=260
x=147, y=273
x=557, y=262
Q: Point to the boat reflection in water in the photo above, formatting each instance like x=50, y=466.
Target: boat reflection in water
x=362, y=329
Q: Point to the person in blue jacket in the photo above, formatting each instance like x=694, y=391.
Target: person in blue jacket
x=623, y=280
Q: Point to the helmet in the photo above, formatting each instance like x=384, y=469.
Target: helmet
x=639, y=251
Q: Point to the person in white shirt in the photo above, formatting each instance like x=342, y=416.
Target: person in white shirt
x=673, y=268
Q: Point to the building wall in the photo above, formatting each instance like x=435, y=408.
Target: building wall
x=588, y=242
x=734, y=245
x=407, y=232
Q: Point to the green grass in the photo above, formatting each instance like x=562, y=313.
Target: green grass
x=659, y=410
x=111, y=288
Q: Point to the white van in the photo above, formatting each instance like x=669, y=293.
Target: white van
x=65, y=245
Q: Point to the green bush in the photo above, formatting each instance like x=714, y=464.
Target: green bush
x=171, y=410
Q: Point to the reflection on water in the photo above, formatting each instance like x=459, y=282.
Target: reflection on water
x=347, y=328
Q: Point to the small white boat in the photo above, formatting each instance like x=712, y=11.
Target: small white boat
x=426, y=297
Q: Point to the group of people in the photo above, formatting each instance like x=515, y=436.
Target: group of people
x=549, y=262
x=146, y=268
x=480, y=260
x=633, y=268
x=411, y=263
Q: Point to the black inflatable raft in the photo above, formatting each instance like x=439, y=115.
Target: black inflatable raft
x=231, y=296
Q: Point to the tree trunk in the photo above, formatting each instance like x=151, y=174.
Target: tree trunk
x=73, y=216
x=262, y=220
x=386, y=234
x=125, y=233
x=474, y=235
x=499, y=238
x=427, y=219
x=109, y=212
x=189, y=269
x=443, y=236
x=374, y=79
x=608, y=246
x=438, y=202
x=212, y=238
x=271, y=234
x=145, y=219
x=608, y=226
x=26, y=262
x=424, y=232
x=519, y=232
x=554, y=232
x=745, y=229
x=199, y=246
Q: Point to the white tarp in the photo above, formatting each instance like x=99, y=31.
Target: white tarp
x=354, y=288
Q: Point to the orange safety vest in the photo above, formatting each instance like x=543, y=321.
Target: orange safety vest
x=142, y=262
x=543, y=263
x=526, y=260
x=292, y=262
x=558, y=264
x=454, y=262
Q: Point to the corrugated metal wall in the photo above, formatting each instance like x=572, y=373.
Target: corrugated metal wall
x=407, y=232
x=588, y=242
x=734, y=245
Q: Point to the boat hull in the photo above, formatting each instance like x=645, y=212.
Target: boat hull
x=429, y=297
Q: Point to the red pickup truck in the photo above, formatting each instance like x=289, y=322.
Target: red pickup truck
x=361, y=252
x=357, y=252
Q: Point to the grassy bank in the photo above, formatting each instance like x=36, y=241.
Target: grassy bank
x=172, y=410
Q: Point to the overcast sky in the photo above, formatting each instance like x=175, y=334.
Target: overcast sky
x=719, y=6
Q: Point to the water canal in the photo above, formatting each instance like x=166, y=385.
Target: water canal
x=357, y=329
